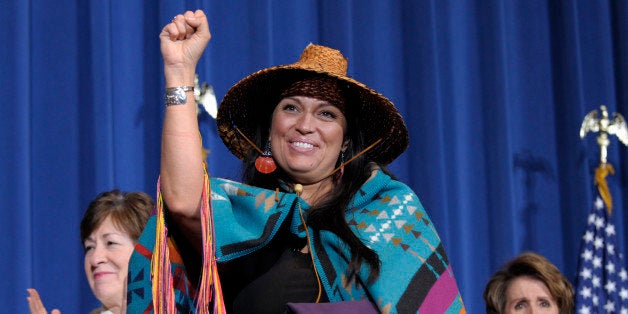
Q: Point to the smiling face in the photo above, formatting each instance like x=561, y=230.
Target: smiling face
x=526, y=294
x=107, y=253
x=307, y=136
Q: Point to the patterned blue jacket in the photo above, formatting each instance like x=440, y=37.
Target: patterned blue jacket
x=415, y=275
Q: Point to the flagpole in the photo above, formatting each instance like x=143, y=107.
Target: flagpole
x=602, y=281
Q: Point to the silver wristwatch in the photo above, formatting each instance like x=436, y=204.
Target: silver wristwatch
x=177, y=95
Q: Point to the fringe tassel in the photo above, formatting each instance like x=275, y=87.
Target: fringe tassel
x=163, y=291
x=210, y=282
x=162, y=282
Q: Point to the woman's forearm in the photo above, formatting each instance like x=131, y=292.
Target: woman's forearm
x=181, y=160
x=182, y=44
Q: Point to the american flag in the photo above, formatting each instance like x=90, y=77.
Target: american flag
x=602, y=281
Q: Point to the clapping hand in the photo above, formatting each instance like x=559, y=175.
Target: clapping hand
x=35, y=305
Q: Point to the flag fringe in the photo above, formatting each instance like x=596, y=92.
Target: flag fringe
x=601, y=172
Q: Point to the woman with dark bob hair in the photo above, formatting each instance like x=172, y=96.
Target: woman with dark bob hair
x=529, y=283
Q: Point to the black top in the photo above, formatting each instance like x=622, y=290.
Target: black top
x=264, y=281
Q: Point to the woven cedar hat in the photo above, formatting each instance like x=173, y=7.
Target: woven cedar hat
x=251, y=101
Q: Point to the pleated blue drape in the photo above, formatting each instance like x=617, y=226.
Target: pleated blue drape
x=493, y=93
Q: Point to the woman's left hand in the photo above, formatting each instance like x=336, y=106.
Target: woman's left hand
x=35, y=305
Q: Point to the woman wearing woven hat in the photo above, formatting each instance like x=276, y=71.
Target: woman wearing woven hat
x=317, y=220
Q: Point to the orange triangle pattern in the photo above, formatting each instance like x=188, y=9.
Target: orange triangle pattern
x=385, y=199
x=408, y=228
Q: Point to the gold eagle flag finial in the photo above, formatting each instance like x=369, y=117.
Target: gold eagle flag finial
x=604, y=126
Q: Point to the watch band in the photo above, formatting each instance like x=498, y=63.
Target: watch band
x=177, y=95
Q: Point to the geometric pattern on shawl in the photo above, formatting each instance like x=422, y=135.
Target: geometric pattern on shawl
x=139, y=288
x=415, y=275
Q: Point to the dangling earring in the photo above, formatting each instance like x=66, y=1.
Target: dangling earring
x=265, y=162
x=341, y=169
x=342, y=161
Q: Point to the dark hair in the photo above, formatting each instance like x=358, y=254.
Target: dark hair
x=129, y=211
x=535, y=266
x=330, y=213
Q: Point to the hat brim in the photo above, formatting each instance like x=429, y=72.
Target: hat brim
x=250, y=102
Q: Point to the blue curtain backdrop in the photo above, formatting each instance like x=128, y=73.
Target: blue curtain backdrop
x=493, y=93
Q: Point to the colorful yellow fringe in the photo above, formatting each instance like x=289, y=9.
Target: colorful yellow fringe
x=163, y=291
x=210, y=282
x=162, y=283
